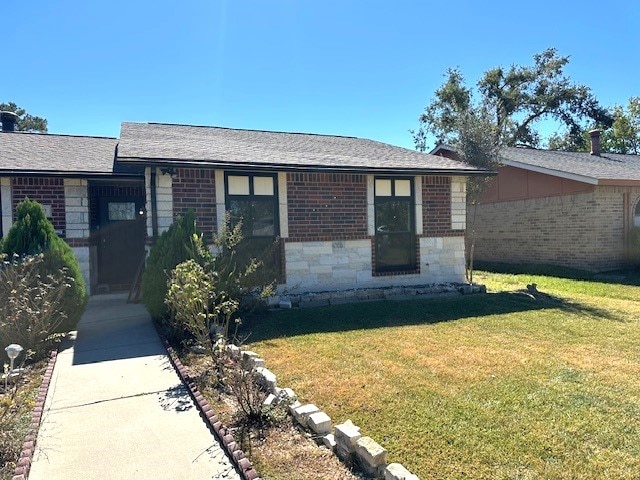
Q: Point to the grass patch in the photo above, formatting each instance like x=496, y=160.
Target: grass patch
x=495, y=386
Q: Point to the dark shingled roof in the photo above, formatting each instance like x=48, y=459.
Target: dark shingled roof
x=56, y=154
x=599, y=169
x=226, y=147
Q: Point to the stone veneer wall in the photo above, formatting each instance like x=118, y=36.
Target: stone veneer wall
x=164, y=197
x=76, y=199
x=347, y=264
x=195, y=189
x=7, y=204
x=585, y=231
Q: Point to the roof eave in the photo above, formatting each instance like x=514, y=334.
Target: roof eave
x=549, y=171
x=167, y=162
x=14, y=172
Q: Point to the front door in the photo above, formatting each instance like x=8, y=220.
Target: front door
x=118, y=235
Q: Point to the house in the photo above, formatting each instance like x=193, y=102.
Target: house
x=560, y=208
x=348, y=212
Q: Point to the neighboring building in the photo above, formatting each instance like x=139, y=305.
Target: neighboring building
x=349, y=212
x=561, y=208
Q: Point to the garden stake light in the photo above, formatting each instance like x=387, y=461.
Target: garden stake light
x=13, y=351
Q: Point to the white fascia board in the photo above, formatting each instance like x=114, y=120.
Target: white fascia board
x=550, y=171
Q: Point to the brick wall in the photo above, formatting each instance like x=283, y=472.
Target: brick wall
x=327, y=206
x=195, y=189
x=47, y=191
x=584, y=231
x=436, y=207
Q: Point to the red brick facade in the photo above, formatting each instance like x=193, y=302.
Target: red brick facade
x=327, y=206
x=196, y=189
x=436, y=207
x=47, y=191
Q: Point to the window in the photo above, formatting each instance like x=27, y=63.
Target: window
x=252, y=199
x=122, y=211
x=394, y=223
x=636, y=215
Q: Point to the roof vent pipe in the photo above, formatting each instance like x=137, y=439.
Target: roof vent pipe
x=595, y=142
x=9, y=121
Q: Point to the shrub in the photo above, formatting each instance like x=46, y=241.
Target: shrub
x=31, y=234
x=31, y=305
x=172, y=247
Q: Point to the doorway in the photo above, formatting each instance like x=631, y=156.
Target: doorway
x=117, y=221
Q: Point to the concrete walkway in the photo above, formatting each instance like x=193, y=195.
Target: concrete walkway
x=117, y=410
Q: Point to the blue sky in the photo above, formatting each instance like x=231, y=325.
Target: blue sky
x=361, y=68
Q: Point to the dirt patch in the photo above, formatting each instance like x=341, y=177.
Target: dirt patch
x=278, y=449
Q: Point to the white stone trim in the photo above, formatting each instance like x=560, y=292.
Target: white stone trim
x=7, y=204
x=76, y=207
x=417, y=193
x=147, y=202
x=82, y=254
x=220, y=201
x=164, y=200
x=371, y=209
x=458, y=203
x=283, y=208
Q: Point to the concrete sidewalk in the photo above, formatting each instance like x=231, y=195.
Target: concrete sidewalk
x=117, y=410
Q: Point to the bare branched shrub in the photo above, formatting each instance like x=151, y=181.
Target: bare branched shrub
x=31, y=303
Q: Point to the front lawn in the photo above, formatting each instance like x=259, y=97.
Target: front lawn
x=493, y=386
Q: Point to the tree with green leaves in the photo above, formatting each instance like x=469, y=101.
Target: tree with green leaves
x=622, y=137
x=503, y=110
x=515, y=100
x=26, y=122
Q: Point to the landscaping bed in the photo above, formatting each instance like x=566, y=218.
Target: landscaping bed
x=16, y=416
x=507, y=385
x=277, y=448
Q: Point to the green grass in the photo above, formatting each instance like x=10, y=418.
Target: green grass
x=495, y=386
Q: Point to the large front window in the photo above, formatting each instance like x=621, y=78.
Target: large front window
x=394, y=223
x=253, y=200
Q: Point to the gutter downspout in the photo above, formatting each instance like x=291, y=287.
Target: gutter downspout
x=154, y=204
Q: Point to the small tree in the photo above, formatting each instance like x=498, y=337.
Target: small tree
x=204, y=295
x=172, y=247
x=33, y=234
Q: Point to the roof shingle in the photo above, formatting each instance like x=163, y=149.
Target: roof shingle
x=49, y=153
x=607, y=166
x=148, y=142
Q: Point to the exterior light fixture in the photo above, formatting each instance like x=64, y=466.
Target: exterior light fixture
x=13, y=351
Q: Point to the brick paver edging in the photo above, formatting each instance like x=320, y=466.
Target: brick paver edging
x=21, y=471
x=222, y=433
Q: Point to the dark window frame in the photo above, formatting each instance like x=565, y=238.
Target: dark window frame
x=412, y=265
x=252, y=197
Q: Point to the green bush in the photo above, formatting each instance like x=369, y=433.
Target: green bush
x=31, y=234
x=172, y=247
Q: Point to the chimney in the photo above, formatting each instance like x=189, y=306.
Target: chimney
x=595, y=142
x=9, y=120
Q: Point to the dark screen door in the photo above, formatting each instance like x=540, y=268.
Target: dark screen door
x=120, y=238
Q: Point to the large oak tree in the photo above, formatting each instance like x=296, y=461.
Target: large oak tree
x=515, y=100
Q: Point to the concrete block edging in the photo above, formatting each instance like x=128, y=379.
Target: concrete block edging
x=21, y=471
